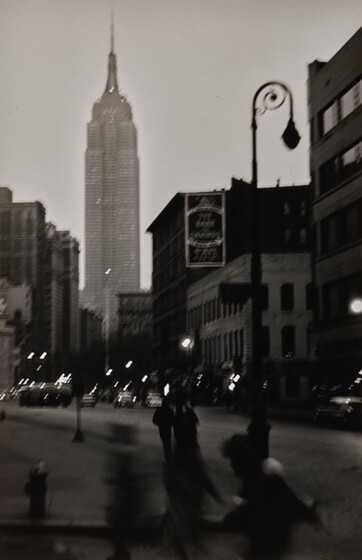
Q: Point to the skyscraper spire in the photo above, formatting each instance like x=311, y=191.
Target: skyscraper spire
x=112, y=31
x=112, y=86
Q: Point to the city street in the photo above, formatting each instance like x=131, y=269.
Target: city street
x=323, y=464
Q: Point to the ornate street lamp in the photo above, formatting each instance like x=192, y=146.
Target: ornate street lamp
x=268, y=97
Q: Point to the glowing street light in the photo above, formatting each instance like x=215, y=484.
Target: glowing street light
x=356, y=306
x=31, y=355
x=43, y=356
x=187, y=342
x=128, y=364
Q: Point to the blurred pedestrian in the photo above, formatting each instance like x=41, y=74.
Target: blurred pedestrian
x=130, y=510
x=163, y=418
x=185, y=425
x=269, y=509
x=187, y=483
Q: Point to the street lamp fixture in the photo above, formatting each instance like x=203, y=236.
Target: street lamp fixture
x=128, y=364
x=356, y=306
x=187, y=342
x=268, y=97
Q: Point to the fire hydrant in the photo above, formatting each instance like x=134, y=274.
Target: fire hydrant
x=36, y=488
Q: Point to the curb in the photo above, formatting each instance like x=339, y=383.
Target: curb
x=96, y=528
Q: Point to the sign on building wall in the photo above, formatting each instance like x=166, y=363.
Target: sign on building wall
x=205, y=229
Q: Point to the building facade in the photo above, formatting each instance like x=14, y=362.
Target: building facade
x=16, y=319
x=70, y=278
x=112, y=224
x=284, y=215
x=22, y=253
x=335, y=113
x=134, y=313
x=222, y=332
x=53, y=308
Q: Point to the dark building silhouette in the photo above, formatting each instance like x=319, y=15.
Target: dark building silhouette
x=22, y=254
x=335, y=114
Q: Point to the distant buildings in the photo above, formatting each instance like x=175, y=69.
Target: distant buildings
x=91, y=330
x=134, y=313
x=111, y=200
x=39, y=286
x=53, y=315
x=335, y=114
x=70, y=279
x=22, y=253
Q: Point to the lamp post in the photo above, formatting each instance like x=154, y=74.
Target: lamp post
x=269, y=96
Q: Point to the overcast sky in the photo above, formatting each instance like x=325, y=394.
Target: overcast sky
x=189, y=69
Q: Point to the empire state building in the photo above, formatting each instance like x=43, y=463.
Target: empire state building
x=112, y=238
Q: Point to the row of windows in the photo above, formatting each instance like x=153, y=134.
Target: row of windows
x=230, y=346
x=337, y=296
x=342, y=227
x=341, y=167
x=294, y=209
x=340, y=108
x=213, y=310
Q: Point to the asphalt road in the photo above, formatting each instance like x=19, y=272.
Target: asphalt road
x=325, y=464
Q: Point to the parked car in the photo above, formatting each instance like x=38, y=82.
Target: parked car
x=153, y=400
x=124, y=398
x=88, y=400
x=344, y=406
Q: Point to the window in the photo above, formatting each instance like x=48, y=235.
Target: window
x=337, y=295
x=286, y=209
x=287, y=297
x=265, y=342
x=264, y=294
x=340, y=168
x=241, y=342
x=236, y=344
x=351, y=161
x=302, y=236
x=292, y=386
x=226, y=352
x=329, y=118
x=309, y=296
x=231, y=346
x=288, y=342
x=341, y=228
x=341, y=107
x=351, y=100
x=287, y=236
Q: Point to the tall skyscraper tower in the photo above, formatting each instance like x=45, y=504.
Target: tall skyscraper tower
x=112, y=238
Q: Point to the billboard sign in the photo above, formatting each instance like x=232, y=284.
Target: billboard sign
x=205, y=229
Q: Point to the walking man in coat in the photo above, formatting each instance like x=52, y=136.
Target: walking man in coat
x=163, y=418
